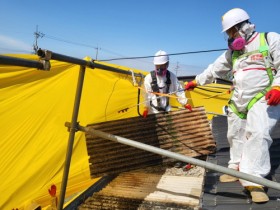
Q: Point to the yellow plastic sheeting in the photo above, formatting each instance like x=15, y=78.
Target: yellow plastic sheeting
x=212, y=96
x=34, y=106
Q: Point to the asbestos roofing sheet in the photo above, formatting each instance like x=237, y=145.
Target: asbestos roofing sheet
x=183, y=132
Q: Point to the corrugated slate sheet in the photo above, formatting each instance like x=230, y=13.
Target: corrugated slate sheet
x=142, y=190
x=183, y=132
x=231, y=196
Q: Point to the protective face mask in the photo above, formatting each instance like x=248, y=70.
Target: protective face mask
x=236, y=43
x=161, y=71
x=245, y=30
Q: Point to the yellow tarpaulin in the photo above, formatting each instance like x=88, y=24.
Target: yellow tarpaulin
x=212, y=96
x=34, y=107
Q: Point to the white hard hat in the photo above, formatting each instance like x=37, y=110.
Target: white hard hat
x=233, y=17
x=161, y=57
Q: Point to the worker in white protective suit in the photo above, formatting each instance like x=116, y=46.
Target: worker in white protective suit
x=254, y=59
x=159, y=82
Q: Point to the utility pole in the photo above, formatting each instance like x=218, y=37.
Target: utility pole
x=97, y=48
x=177, y=68
x=37, y=35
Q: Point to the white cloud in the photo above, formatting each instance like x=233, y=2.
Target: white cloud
x=11, y=45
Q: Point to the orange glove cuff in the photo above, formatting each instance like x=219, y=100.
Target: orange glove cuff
x=276, y=88
x=194, y=82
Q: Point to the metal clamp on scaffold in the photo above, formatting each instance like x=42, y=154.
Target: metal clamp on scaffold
x=45, y=57
x=71, y=127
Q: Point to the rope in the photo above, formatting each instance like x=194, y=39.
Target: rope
x=133, y=77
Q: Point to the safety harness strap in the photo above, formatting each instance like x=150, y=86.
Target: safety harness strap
x=155, y=89
x=257, y=97
x=154, y=84
x=247, y=54
x=235, y=56
x=232, y=106
x=263, y=49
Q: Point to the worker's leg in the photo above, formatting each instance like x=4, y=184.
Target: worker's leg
x=261, y=119
x=236, y=136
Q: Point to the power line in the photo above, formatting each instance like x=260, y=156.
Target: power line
x=39, y=34
x=97, y=48
x=70, y=42
x=151, y=56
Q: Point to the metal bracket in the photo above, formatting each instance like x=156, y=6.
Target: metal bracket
x=45, y=57
x=70, y=128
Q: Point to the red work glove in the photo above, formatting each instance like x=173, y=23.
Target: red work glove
x=187, y=167
x=273, y=96
x=145, y=112
x=52, y=190
x=190, y=85
x=189, y=107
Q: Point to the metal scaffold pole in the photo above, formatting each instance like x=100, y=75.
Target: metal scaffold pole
x=72, y=130
x=13, y=61
x=91, y=64
x=183, y=158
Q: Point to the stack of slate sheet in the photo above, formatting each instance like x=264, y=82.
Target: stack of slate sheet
x=182, y=132
x=231, y=196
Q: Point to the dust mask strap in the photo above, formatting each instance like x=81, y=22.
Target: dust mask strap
x=246, y=30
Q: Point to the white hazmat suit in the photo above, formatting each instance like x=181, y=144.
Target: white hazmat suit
x=249, y=138
x=175, y=87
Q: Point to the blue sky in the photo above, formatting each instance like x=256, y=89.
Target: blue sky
x=128, y=28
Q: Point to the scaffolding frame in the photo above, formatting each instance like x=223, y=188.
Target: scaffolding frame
x=73, y=126
x=48, y=55
x=44, y=64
